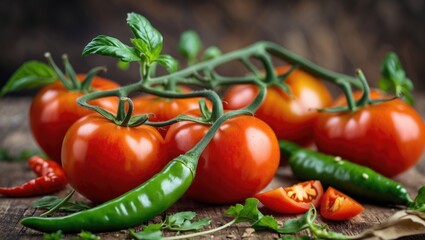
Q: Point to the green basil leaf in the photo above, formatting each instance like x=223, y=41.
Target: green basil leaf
x=30, y=75
x=109, y=46
x=170, y=63
x=189, y=45
x=143, y=30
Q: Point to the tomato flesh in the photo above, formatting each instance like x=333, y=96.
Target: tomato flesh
x=292, y=200
x=337, y=206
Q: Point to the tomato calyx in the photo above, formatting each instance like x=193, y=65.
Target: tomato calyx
x=352, y=104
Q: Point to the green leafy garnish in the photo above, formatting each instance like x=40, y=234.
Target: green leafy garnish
x=394, y=79
x=178, y=222
x=30, y=75
x=109, y=46
x=419, y=203
x=147, y=45
x=48, y=202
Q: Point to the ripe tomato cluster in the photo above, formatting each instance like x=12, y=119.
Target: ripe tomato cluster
x=103, y=160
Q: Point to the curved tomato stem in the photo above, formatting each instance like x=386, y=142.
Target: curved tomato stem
x=65, y=81
x=86, y=83
x=70, y=73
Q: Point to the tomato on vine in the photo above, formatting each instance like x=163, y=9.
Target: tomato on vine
x=231, y=168
x=103, y=160
x=387, y=136
x=290, y=115
x=163, y=109
x=54, y=108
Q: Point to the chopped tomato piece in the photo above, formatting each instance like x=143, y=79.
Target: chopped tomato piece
x=292, y=200
x=335, y=205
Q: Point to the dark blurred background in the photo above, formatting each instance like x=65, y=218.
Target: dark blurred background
x=339, y=35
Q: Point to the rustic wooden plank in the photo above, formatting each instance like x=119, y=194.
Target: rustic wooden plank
x=14, y=132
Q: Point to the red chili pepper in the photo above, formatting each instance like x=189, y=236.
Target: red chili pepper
x=51, y=178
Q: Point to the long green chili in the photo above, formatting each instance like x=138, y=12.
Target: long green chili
x=140, y=204
x=346, y=176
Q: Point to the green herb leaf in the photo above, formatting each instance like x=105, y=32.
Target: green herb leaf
x=85, y=235
x=146, y=235
x=294, y=225
x=419, y=203
x=170, y=63
x=109, y=46
x=182, y=221
x=30, y=75
x=189, y=45
x=49, y=202
x=54, y=236
x=211, y=52
x=266, y=223
x=148, y=40
x=394, y=79
x=246, y=213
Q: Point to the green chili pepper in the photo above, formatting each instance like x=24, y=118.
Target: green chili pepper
x=140, y=204
x=346, y=176
x=130, y=209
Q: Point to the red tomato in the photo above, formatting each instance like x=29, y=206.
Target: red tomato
x=337, y=206
x=290, y=117
x=103, y=160
x=292, y=200
x=164, y=109
x=54, y=109
x=240, y=160
x=388, y=137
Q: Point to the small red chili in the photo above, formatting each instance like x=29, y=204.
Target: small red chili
x=51, y=178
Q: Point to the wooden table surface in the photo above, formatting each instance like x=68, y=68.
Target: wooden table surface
x=15, y=136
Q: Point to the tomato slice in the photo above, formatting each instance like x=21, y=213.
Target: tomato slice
x=335, y=205
x=292, y=200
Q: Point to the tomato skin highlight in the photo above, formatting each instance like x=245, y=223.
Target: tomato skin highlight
x=103, y=160
x=291, y=117
x=388, y=137
x=280, y=201
x=335, y=205
x=54, y=109
x=231, y=168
